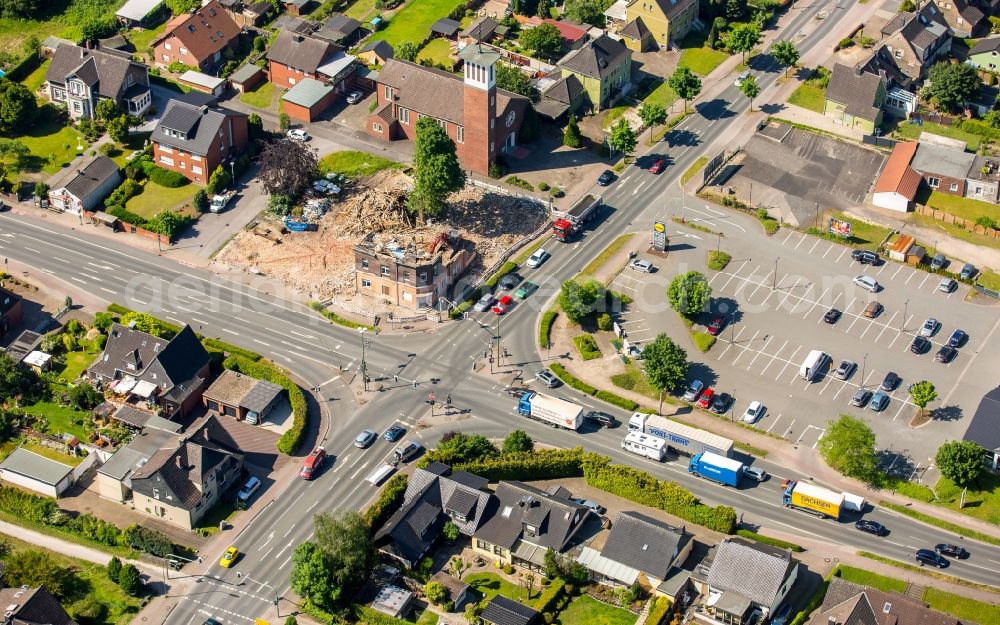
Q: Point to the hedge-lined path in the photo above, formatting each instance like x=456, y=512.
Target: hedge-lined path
x=71, y=549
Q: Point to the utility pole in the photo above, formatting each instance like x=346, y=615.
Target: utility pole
x=499, y=354
x=863, y=364
x=774, y=281
x=902, y=323
x=718, y=246
x=365, y=344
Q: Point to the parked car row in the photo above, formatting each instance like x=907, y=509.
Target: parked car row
x=720, y=403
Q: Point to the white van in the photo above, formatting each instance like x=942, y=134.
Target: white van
x=812, y=365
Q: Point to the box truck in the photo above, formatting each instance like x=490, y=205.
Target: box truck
x=812, y=365
x=553, y=411
x=570, y=222
x=680, y=438
x=716, y=468
x=812, y=498
x=645, y=445
x=854, y=503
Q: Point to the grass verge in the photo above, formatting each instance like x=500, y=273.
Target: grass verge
x=695, y=167
x=355, y=164
x=964, y=608
x=809, y=95
x=867, y=578
x=545, y=327
x=613, y=248
x=946, y=525
x=767, y=540
x=951, y=579
x=587, y=347
x=335, y=318
x=717, y=260
x=703, y=341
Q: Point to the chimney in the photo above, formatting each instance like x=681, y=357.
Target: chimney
x=204, y=109
x=832, y=621
x=297, y=38
x=208, y=437
x=180, y=463
x=83, y=53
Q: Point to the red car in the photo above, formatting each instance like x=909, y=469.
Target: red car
x=503, y=304
x=715, y=326
x=313, y=464
x=706, y=398
x=658, y=165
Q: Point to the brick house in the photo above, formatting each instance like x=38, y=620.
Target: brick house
x=912, y=42
x=194, y=140
x=197, y=39
x=294, y=57
x=481, y=119
x=10, y=311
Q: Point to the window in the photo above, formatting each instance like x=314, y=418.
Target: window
x=377, y=127
x=291, y=80
x=218, y=34
x=366, y=284
x=388, y=92
x=460, y=134
x=423, y=277
x=166, y=57
x=190, y=28
x=168, y=46
x=481, y=544
x=443, y=124
x=165, y=149
x=898, y=54
x=364, y=263
x=184, y=51
x=407, y=296
x=404, y=115
x=406, y=277
x=156, y=493
x=76, y=107
x=195, y=169
x=510, y=118
x=183, y=165
x=166, y=160
x=384, y=270
x=933, y=183
x=385, y=289
x=954, y=187
x=492, y=147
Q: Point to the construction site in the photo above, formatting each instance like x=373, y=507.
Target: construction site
x=325, y=264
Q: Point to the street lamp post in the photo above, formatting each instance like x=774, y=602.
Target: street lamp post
x=902, y=323
x=774, y=280
x=864, y=363
x=718, y=246
x=277, y=608
x=365, y=344
x=499, y=354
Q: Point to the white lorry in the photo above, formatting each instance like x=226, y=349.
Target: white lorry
x=550, y=410
x=814, y=363
x=219, y=202
x=680, y=438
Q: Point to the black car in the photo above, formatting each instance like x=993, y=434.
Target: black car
x=606, y=178
x=952, y=550
x=602, y=418
x=919, y=345
x=946, y=354
x=872, y=527
x=890, y=382
x=926, y=556
x=957, y=338
x=832, y=316
x=721, y=403
x=865, y=257
x=509, y=281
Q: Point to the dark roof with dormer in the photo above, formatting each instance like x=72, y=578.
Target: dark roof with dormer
x=108, y=71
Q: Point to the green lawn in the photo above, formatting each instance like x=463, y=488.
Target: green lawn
x=810, y=96
x=427, y=618
x=613, y=248
x=62, y=419
x=437, y=50
x=490, y=585
x=867, y=578
x=78, y=361
x=989, y=279
x=155, y=199
x=585, y=610
x=262, y=97
x=698, y=57
x=981, y=501
x=952, y=230
x=143, y=39
x=36, y=79
x=863, y=234
x=52, y=454
x=52, y=145
x=958, y=206
x=361, y=10
x=693, y=170
x=912, y=132
x=634, y=380
x=355, y=164
x=414, y=21
x=662, y=95
x=964, y=608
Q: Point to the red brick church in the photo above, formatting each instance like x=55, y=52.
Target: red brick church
x=482, y=120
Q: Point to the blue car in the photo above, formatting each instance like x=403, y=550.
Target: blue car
x=394, y=433
x=879, y=401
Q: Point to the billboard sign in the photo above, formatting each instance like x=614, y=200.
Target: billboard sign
x=840, y=227
x=660, y=240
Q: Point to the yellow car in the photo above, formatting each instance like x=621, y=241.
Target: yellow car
x=229, y=557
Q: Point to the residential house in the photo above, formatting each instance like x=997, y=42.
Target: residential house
x=197, y=39
x=195, y=140
x=964, y=18
x=854, y=98
x=36, y=472
x=84, y=188
x=983, y=100
x=573, y=35
x=446, y=27
x=669, y=21
x=138, y=13
x=10, y=311
x=376, y=52
x=603, y=66
x=481, y=119
x=916, y=40
x=847, y=603
x=434, y=495
x=638, y=549
x=900, y=97
x=294, y=57
x=247, y=14
x=183, y=481
x=565, y=95
x=307, y=100
x=114, y=476
x=898, y=183
x=341, y=30
x=503, y=611
x=80, y=78
x=31, y=606
x=480, y=31
x=984, y=429
x=242, y=397
x=528, y=522
x=944, y=169
x=985, y=54
x=458, y=591
x=746, y=580
x=176, y=369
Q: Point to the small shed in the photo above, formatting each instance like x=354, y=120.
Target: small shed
x=446, y=27
x=134, y=13
x=36, y=472
x=899, y=249
x=457, y=589
x=38, y=361
x=308, y=99
x=106, y=219
x=376, y=52
x=203, y=82
x=246, y=78
x=393, y=601
x=297, y=7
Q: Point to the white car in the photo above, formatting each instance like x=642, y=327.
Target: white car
x=642, y=266
x=297, y=134
x=539, y=257
x=930, y=327
x=754, y=412
x=743, y=76
x=354, y=97
x=866, y=282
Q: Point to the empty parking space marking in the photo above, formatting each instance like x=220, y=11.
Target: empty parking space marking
x=811, y=249
x=790, y=233
x=787, y=362
x=800, y=242
x=828, y=250
x=924, y=280
x=773, y=356
x=841, y=254
x=732, y=342
x=910, y=277
x=886, y=327
x=759, y=352
x=744, y=350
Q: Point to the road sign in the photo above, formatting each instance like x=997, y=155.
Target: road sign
x=430, y=398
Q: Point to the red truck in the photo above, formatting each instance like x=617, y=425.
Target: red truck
x=568, y=223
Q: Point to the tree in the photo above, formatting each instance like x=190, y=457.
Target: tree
x=922, y=394
x=18, y=106
x=13, y=154
x=652, y=114
x=786, y=53
x=279, y=204
x=287, y=167
x=750, y=89
x=962, y=462
x=284, y=122
x=743, y=37
x=114, y=569
x=666, y=365
x=952, y=84
x=543, y=9
x=438, y=173
x=849, y=447
x=34, y=568
x=93, y=28
x=14, y=380
x=219, y=180
x=543, y=40
x=178, y=7
x=407, y=51
x=585, y=12
x=685, y=84
x=83, y=396
x=571, y=136
x=311, y=576
x=578, y=300
x=200, y=201
x=130, y=580
x=514, y=80
x=622, y=137
x=435, y=592
x=144, y=323
x=107, y=110
x=255, y=127
x=19, y=9
x=456, y=448
x=689, y=293
x=517, y=441
x=118, y=128
x=458, y=566
x=450, y=532
x=552, y=568
x=345, y=539
x=907, y=5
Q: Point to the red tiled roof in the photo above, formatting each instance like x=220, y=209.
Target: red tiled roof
x=898, y=176
x=204, y=32
x=569, y=32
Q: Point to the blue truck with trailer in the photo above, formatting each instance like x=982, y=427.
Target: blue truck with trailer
x=716, y=468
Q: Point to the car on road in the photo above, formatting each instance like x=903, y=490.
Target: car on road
x=845, y=370
x=879, y=402
x=946, y=354
x=957, y=338
x=694, y=390
x=927, y=556
x=947, y=285
x=755, y=473
x=485, y=303
x=394, y=433
x=743, y=76
x=548, y=378
x=525, y=290
x=658, y=165
x=354, y=97
x=593, y=505
x=248, y=489
x=503, y=305
x=706, y=398
x=313, y=463
x=754, y=412
x=606, y=178
x=297, y=134
x=721, y=403
x=860, y=397
x=405, y=452
x=968, y=271
x=867, y=283
x=229, y=557
x=715, y=326
x=601, y=418
x=832, y=316
x=930, y=327
x=872, y=527
x=519, y=391
x=952, y=550
x=872, y=310
x=890, y=382
x=509, y=281
x=920, y=345
x=640, y=265
x=539, y=257
x=211, y=621
x=938, y=262
x=365, y=439
x=865, y=257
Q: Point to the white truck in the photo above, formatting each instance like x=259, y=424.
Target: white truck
x=645, y=445
x=680, y=438
x=813, y=364
x=553, y=411
x=219, y=202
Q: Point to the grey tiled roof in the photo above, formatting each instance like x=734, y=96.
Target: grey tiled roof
x=503, y=611
x=556, y=518
x=855, y=89
x=34, y=605
x=565, y=90
x=37, y=467
x=198, y=125
x=636, y=29
x=750, y=569
x=244, y=73
x=445, y=26
x=597, y=57
x=937, y=159
x=991, y=44
x=105, y=69
x=299, y=51
x=854, y=604
x=644, y=543
x=984, y=429
x=482, y=29
x=380, y=47
x=95, y=174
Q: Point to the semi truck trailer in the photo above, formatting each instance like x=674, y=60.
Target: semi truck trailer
x=716, y=468
x=680, y=438
x=553, y=411
x=813, y=499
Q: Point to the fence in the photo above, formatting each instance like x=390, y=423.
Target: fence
x=961, y=222
x=987, y=292
x=713, y=166
x=877, y=141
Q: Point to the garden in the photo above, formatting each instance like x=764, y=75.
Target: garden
x=413, y=22
x=261, y=96
x=811, y=94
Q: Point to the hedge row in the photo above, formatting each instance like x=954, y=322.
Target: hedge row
x=545, y=464
x=617, y=400
x=583, y=387
x=121, y=311
x=215, y=345
x=334, y=317
x=659, y=612
x=551, y=595
x=767, y=540
x=546, y=328
x=643, y=488
x=371, y=617
x=290, y=440
x=389, y=499
x=506, y=268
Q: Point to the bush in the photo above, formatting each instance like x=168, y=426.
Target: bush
x=148, y=540
x=604, y=322
x=215, y=345
x=508, y=569
x=389, y=500
x=767, y=540
x=659, y=611
x=435, y=592
x=717, y=261
x=506, y=268
x=571, y=379
x=550, y=596
x=545, y=327
x=448, y=606
x=703, y=341
x=290, y=440
x=130, y=580
x=165, y=177
x=88, y=611
x=587, y=346
x=114, y=569
x=617, y=400
x=544, y=464
x=520, y=182
x=543, y=186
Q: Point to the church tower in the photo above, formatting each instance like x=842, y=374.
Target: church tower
x=476, y=141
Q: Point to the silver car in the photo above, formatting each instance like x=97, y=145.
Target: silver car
x=365, y=439
x=484, y=303
x=845, y=369
x=643, y=266
x=930, y=327
x=547, y=378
